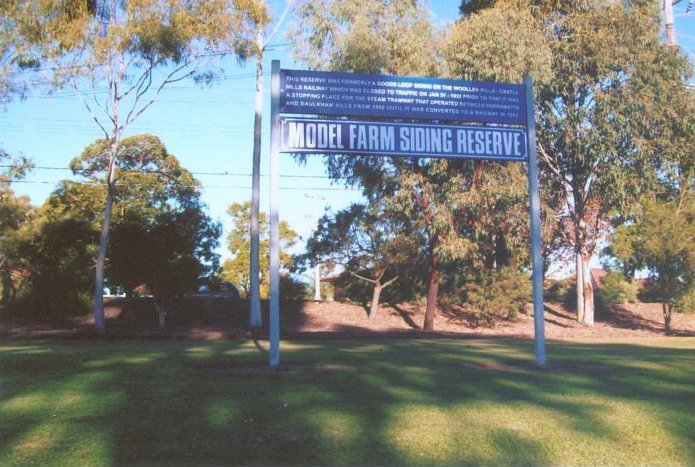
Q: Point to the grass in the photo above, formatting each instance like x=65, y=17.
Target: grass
x=358, y=402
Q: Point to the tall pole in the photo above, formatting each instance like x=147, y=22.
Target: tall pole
x=668, y=22
x=274, y=321
x=255, y=319
x=535, y=211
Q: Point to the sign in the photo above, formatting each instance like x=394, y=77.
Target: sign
x=401, y=139
x=389, y=104
x=402, y=97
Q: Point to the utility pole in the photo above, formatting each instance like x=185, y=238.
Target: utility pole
x=668, y=22
x=255, y=319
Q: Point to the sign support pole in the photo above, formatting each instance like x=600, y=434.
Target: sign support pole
x=535, y=212
x=274, y=320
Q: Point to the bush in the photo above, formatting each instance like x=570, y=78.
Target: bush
x=292, y=289
x=498, y=296
x=686, y=302
x=615, y=289
x=563, y=291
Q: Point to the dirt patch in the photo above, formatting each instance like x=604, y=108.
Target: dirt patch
x=227, y=320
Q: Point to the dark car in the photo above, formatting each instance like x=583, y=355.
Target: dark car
x=219, y=290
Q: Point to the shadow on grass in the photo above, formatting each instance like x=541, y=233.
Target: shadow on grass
x=358, y=402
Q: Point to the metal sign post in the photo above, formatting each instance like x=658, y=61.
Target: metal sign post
x=535, y=211
x=357, y=109
x=274, y=319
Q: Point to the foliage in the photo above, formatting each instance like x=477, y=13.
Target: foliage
x=616, y=289
x=500, y=45
x=604, y=119
x=237, y=269
x=14, y=212
x=394, y=37
x=662, y=241
x=391, y=36
x=373, y=244
x=498, y=295
x=147, y=180
x=31, y=33
x=293, y=289
x=162, y=238
x=57, y=259
x=135, y=49
x=561, y=291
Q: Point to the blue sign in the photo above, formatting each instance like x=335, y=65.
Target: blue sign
x=402, y=139
x=361, y=95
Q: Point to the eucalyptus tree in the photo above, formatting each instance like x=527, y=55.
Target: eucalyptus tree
x=237, y=268
x=606, y=119
x=660, y=233
x=607, y=114
x=127, y=52
x=162, y=237
x=372, y=245
x=14, y=211
x=391, y=37
x=500, y=45
x=397, y=37
x=35, y=32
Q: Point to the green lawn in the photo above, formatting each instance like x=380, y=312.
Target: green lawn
x=396, y=402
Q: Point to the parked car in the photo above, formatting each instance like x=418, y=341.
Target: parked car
x=218, y=290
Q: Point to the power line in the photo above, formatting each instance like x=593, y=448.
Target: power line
x=230, y=187
x=224, y=174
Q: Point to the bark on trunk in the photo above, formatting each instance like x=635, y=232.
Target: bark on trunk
x=589, y=307
x=585, y=291
x=375, y=301
x=579, y=287
x=99, y=319
x=667, y=309
x=161, y=314
x=432, y=293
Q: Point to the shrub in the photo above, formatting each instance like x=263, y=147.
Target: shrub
x=562, y=291
x=686, y=302
x=615, y=289
x=293, y=289
x=498, y=296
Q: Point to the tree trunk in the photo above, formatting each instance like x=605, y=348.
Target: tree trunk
x=161, y=314
x=579, y=286
x=667, y=309
x=99, y=319
x=432, y=293
x=585, y=291
x=589, y=307
x=375, y=300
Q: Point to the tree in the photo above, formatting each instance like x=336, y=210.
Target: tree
x=135, y=49
x=168, y=255
x=662, y=242
x=442, y=196
x=659, y=235
x=34, y=32
x=14, y=211
x=237, y=269
x=605, y=118
x=57, y=257
x=162, y=237
x=393, y=37
x=370, y=243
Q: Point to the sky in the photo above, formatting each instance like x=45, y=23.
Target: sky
x=210, y=131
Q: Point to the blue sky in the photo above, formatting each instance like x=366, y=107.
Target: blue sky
x=209, y=129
